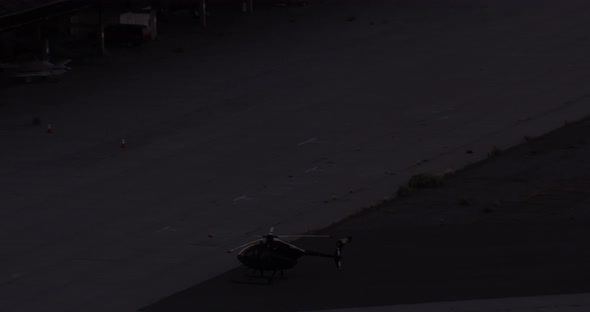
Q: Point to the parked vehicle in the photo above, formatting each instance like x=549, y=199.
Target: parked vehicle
x=128, y=35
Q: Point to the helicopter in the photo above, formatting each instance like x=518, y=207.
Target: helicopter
x=270, y=253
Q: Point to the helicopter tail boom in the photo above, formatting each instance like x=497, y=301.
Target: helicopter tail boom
x=337, y=255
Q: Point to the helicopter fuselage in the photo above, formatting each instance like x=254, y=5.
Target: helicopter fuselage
x=270, y=255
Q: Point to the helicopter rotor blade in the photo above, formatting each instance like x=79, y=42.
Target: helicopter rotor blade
x=245, y=245
x=290, y=245
x=304, y=235
x=230, y=235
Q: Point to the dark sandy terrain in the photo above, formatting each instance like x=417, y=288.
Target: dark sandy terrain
x=514, y=225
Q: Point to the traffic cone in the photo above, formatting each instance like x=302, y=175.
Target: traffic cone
x=49, y=129
x=123, y=145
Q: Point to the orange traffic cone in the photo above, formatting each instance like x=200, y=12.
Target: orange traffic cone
x=49, y=129
x=123, y=145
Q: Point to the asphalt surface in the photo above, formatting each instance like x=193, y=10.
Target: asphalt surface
x=294, y=117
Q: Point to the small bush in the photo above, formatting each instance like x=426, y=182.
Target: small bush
x=404, y=191
x=535, y=194
x=447, y=173
x=425, y=180
x=495, y=152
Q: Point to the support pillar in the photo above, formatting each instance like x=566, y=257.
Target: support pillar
x=101, y=45
x=43, y=42
x=154, y=23
x=203, y=12
x=248, y=6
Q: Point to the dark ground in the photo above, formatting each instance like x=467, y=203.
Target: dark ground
x=513, y=225
x=212, y=117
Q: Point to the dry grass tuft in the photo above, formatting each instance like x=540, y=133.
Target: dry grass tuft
x=425, y=180
x=496, y=151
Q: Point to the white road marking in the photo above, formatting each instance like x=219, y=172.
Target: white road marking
x=312, y=169
x=167, y=228
x=308, y=141
x=243, y=197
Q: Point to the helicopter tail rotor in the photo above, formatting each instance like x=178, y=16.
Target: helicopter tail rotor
x=338, y=253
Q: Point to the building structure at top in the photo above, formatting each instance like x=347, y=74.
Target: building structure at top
x=36, y=29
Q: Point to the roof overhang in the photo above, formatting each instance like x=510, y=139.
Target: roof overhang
x=17, y=13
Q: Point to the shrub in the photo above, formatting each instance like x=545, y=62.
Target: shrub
x=495, y=152
x=464, y=202
x=404, y=191
x=447, y=173
x=425, y=180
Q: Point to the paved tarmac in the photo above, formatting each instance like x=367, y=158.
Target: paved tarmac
x=294, y=117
